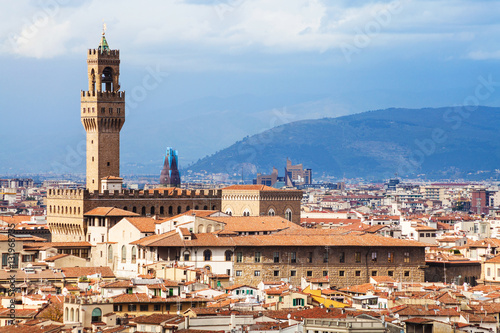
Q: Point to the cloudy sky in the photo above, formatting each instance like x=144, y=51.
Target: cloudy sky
x=200, y=75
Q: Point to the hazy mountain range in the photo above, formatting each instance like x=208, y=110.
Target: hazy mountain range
x=437, y=143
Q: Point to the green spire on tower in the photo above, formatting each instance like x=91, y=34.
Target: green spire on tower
x=103, y=45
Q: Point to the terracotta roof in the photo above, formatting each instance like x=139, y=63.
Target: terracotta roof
x=109, y=211
x=47, y=245
x=254, y=223
x=15, y=218
x=119, y=284
x=74, y=272
x=54, y=258
x=288, y=238
x=383, y=279
x=358, y=289
x=425, y=310
x=143, y=224
x=492, y=242
x=154, y=319
x=112, y=178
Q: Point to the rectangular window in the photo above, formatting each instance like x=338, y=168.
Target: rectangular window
x=157, y=307
x=488, y=271
x=325, y=257
x=132, y=307
x=293, y=257
x=341, y=273
x=310, y=258
x=374, y=256
x=390, y=273
x=309, y=273
x=406, y=257
x=276, y=273
x=325, y=273
x=422, y=234
x=357, y=257
x=117, y=308
x=257, y=256
x=239, y=273
x=374, y=273
x=276, y=257
x=110, y=110
x=256, y=273
x=186, y=256
x=358, y=273
x=293, y=273
x=342, y=257
x=144, y=307
x=498, y=272
x=390, y=257
x=428, y=234
x=407, y=273
x=103, y=110
x=239, y=256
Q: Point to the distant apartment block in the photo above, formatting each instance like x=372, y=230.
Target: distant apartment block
x=482, y=200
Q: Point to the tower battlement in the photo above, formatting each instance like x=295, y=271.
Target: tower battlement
x=103, y=96
x=66, y=194
x=103, y=54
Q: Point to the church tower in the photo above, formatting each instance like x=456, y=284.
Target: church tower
x=103, y=114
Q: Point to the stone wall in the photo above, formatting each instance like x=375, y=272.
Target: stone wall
x=340, y=274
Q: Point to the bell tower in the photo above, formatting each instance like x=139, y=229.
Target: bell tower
x=103, y=114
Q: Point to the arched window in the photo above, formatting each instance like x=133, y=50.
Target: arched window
x=205, y=207
x=110, y=254
x=214, y=207
x=72, y=315
x=125, y=208
x=77, y=312
x=207, y=255
x=170, y=210
x=208, y=268
x=188, y=208
x=271, y=212
x=229, y=255
x=66, y=314
x=179, y=209
x=124, y=254
x=196, y=207
x=209, y=228
x=107, y=79
x=229, y=212
x=201, y=228
x=162, y=210
x=134, y=209
x=288, y=214
x=143, y=211
x=96, y=315
x=152, y=210
x=134, y=254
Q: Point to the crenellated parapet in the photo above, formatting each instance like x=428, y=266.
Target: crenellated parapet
x=56, y=193
x=103, y=96
x=155, y=194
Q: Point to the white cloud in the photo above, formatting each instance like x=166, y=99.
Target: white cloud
x=279, y=26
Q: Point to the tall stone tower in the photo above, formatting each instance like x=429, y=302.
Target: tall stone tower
x=103, y=114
